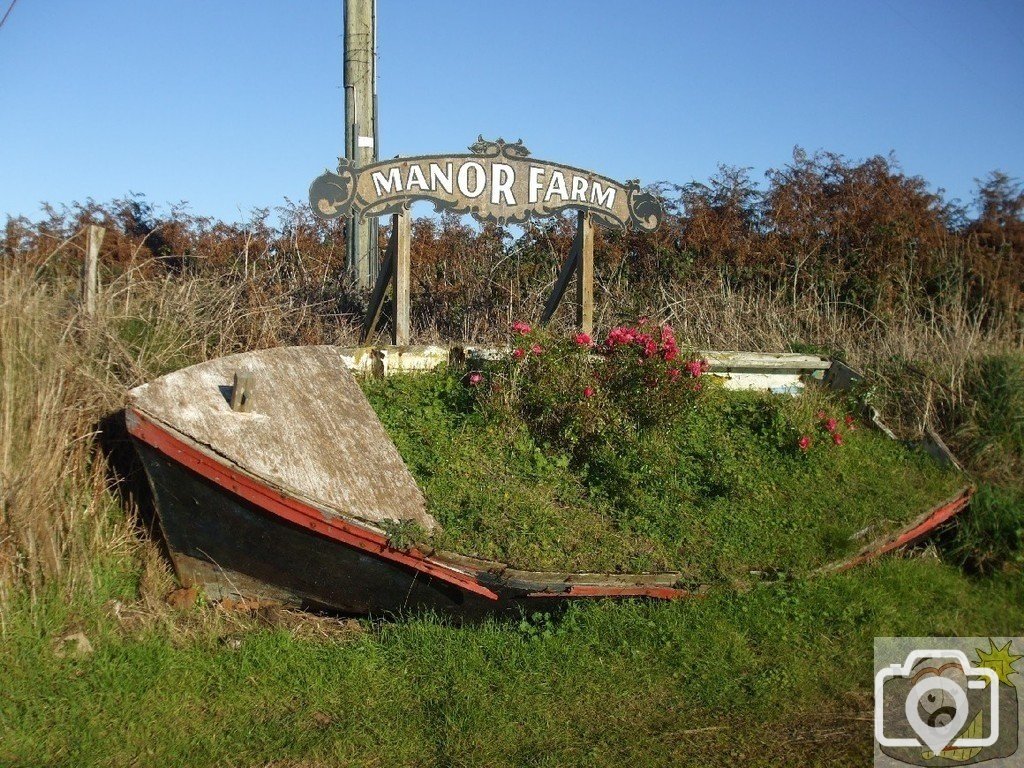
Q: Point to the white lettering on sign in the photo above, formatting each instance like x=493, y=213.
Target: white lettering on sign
x=439, y=178
x=601, y=196
x=472, y=179
x=478, y=175
x=557, y=186
x=579, y=189
x=498, y=182
x=390, y=183
x=504, y=178
x=536, y=182
x=416, y=179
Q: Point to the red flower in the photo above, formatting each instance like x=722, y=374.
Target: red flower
x=831, y=425
x=620, y=336
x=850, y=422
x=648, y=346
x=804, y=442
x=696, y=368
x=837, y=438
x=518, y=353
x=820, y=415
x=672, y=374
x=588, y=392
x=475, y=378
x=583, y=339
x=536, y=349
x=521, y=328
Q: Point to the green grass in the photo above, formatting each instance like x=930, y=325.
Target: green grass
x=779, y=675
x=715, y=491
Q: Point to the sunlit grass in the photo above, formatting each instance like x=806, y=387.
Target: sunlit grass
x=714, y=492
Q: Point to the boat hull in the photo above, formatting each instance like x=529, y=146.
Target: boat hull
x=246, y=515
x=232, y=547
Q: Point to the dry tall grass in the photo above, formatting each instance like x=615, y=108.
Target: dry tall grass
x=62, y=373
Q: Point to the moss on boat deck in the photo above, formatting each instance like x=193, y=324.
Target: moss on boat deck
x=714, y=490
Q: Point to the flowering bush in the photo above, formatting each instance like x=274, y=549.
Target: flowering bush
x=571, y=390
x=830, y=426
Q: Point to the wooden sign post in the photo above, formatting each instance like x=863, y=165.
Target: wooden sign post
x=496, y=183
x=580, y=262
x=394, y=272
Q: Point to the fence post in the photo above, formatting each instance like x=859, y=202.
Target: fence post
x=90, y=270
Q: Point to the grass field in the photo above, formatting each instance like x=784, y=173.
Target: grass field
x=778, y=674
x=775, y=676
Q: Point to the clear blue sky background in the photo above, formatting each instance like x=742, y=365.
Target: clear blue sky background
x=230, y=105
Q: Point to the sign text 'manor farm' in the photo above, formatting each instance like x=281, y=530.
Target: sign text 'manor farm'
x=497, y=183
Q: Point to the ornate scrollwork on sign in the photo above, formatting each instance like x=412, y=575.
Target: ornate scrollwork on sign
x=484, y=146
x=331, y=194
x=496, y=183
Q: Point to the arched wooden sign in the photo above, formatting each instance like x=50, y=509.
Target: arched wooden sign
x=498, y=183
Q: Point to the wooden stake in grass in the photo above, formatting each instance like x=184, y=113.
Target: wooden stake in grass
x=90, y=270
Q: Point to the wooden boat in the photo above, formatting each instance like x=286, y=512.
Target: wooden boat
x=292, y=500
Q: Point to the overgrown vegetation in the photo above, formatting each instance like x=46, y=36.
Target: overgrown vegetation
x=849, y=258
x=624, y=457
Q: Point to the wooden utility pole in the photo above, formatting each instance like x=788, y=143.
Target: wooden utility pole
x=90, y=269
x=361, y=126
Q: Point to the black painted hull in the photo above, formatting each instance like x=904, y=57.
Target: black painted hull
x=232, y=547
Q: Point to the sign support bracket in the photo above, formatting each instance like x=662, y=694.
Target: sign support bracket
x=394, y=272
x=580, y=262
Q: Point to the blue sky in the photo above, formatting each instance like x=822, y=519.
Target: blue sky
x=230, y=105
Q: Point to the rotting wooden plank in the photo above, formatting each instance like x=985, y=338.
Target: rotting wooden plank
x=314, y=433
x=762, y=361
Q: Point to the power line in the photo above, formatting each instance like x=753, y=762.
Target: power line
x=9, y=9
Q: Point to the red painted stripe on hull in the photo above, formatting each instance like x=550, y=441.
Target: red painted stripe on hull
x=933, y=521
x=293, y=510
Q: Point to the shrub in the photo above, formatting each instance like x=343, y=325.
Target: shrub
x=990, y=535
x=993, y=425
x=570, y=391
